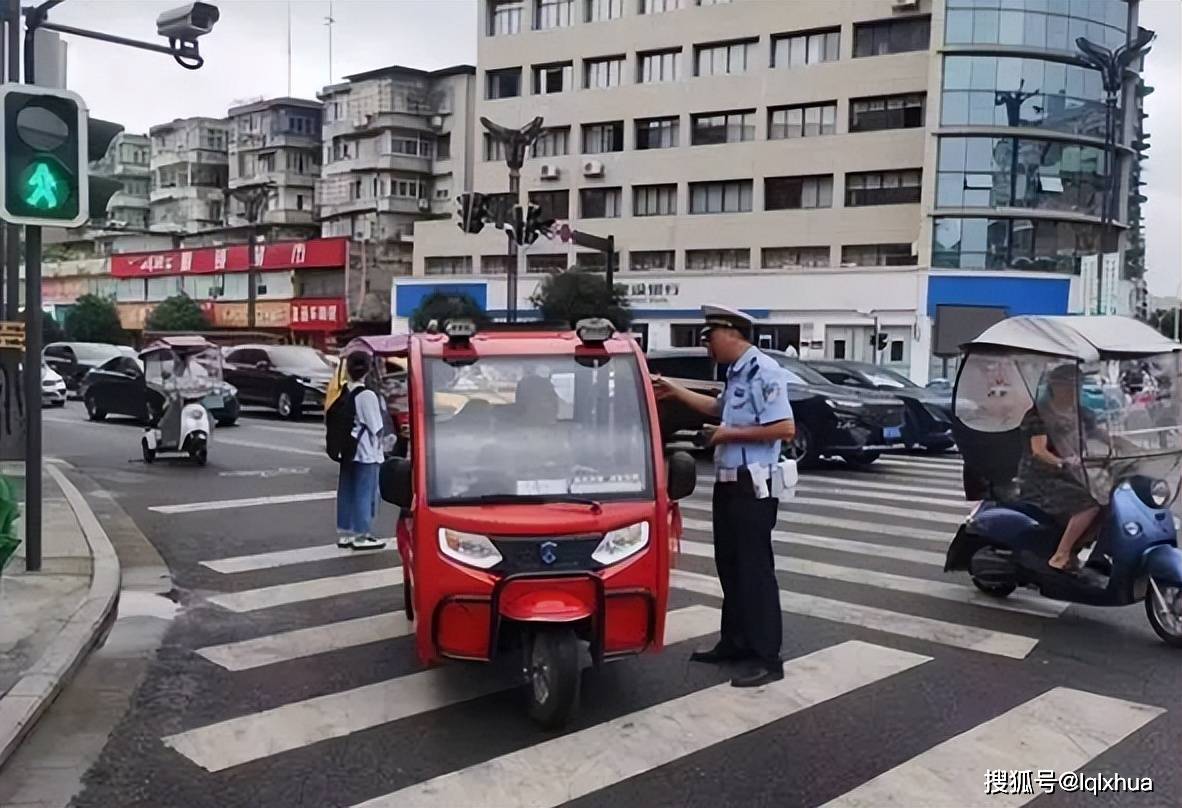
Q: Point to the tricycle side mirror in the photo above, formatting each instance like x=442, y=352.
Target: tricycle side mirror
x=394, y=481
x=682, y=475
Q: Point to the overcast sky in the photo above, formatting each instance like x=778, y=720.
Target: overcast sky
x=246, y=58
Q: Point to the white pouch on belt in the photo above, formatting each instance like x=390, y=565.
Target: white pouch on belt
x=784, y=479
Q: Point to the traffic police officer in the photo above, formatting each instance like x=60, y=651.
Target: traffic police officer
x=756, y=417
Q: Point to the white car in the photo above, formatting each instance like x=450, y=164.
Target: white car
x=53, y=387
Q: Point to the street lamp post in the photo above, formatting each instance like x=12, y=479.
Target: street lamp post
x=1112, y=64
x=515, y=141
x=1013, y=100
x=254, y=199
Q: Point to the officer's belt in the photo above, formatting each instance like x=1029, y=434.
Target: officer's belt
x=726, y=475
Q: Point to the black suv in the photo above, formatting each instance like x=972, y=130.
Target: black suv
x=289, y=378
x=831, y=421
x=929, y=412
x=73, y=360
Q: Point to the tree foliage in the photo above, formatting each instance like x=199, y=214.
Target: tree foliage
x=444, y=306
x=51, y=331
x=177, y=313
x=94, y=319
x=576, y=294
x=1163, y=321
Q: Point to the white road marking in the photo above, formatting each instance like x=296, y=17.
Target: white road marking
x=580, y=763
x=1014, y=646
x=310, y=430
x=266, y=473
x=792, y=518
x=248, y=502
x=921, y=462
x=941, y=590
x=259, y=735
x=251, y=600
x=1062, y=730
x=836, y=494
x=858, y=485
x=283, y=558
x=306, y=642
x=270, y=447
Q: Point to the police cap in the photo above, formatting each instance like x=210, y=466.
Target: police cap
x=725, y=317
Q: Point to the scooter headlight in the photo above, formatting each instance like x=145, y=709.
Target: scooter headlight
x=622, y=543
x=468, y=548
x=1159, y=492
x=195, y=415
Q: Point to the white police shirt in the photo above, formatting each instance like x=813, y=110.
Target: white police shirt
x=756, y=393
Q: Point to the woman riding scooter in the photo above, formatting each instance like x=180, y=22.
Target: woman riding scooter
x=1049, y=475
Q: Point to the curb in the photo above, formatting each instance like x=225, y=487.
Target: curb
x=85, y=630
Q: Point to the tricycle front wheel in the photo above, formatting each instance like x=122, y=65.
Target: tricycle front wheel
x=553, y=672
x=1163, y=607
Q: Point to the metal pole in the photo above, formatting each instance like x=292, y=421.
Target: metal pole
x=32, y=368
x=251, y=279
x=611, y=264
x=515, y=255
x=12, y=242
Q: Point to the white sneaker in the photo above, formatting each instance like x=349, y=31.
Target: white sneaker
x=345, y=542
x=367, y=543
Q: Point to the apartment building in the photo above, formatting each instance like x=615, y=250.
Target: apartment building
x=830, y=166
x=189, y=175
x=128, y=161
x=276, y=141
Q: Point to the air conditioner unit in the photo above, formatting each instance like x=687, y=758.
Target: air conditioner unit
x=905, y=5
x=592, y=168
x=436, y=122
x=550, y=172
x=424, y=204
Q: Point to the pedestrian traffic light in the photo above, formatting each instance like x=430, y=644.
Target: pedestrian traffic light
x=879, y=340
x=535, y=224
x=472, y=212
x=43, y=172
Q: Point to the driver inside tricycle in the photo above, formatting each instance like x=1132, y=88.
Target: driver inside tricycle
x=537, y=509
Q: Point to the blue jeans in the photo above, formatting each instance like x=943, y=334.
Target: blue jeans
x=357, y=498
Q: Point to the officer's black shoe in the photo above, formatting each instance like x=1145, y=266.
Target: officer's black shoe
x=719, y=653
x=763, y=675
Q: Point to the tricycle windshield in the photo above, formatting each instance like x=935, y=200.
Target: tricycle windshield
x=507, y=426
x=187, y=371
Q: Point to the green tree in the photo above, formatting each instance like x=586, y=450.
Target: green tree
x=567, y=297
x=94, y=319
x=444, y=306
x=51, y=330
x=177, y=313
x=1163, y=321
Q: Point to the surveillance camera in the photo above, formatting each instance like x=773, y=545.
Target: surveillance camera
x=187, y=22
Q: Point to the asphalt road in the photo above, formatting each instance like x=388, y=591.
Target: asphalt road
x=288, y=677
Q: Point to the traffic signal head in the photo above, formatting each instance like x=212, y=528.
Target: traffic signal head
x=43, y=171
x=472, y=212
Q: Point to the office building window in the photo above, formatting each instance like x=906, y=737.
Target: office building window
x=654, y=200
x=601, y=10
x=722, y=127
x=595, y=261
x=713, y=2
x=730, y=196
x=493, y=149
x=1040, y=24
x=892, y=36
x=790, y=257
x=723, y=58
x=545, y=263
x=553, y=14
x=886, y=112
x=878, y=255
x=553, y=142
x=814, y=47
x=600, y=138
x=658, y=66
x=494, y=264
x=553, y=204
x=599, y=203
x=599, y=74
x=659, y=6
x=883, y=187
x=651, y=261
x=555, y=78
x=504, y=83
x=504, y=17
x=657, y=133
x=443, y=147
x=716, y=260
x=1040, y=245
x=803, y=121
x=448, y=265
x=788, y=193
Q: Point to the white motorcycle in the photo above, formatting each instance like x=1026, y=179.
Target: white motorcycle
x=186, y=373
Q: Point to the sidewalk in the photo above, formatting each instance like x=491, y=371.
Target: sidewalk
x=50, y=620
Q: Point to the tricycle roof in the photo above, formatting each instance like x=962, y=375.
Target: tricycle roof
x=510, y=342
x=379, y=344
x=184, y=343
x=1083, y=338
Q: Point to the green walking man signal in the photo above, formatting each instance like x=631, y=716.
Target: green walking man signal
x=45, y=157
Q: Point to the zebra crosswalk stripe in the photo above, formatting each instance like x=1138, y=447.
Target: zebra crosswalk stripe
x=250, y=600
x=306, y=642
x=259, y=735
x=957, y=593
x=1014, y=646
x=1061, y=730
x=837, y=495
x=789, y=504
x=793, y=518
x=574, y=765
x=283, y=558
x=246, y=502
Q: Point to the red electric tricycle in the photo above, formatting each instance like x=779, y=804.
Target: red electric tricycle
x=538, y=512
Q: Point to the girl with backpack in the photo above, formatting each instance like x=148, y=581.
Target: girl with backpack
x=354, y=430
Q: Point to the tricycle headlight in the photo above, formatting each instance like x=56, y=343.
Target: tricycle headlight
x=622, y=543
x=1159, y=492
x=468, y=548
x=843, y=403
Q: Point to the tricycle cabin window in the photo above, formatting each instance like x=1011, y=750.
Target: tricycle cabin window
x=537, y=425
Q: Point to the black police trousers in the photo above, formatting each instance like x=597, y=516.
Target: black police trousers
x=751, y=617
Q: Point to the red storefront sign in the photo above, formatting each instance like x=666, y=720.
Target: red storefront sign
x=318, y=314
x=321, y=253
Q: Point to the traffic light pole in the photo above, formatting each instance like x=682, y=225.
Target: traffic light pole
x=516, y=254
x=32, y=363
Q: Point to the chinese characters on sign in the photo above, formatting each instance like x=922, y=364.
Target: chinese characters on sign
x=318, y=314
x=330, y=253
x=652, y=292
